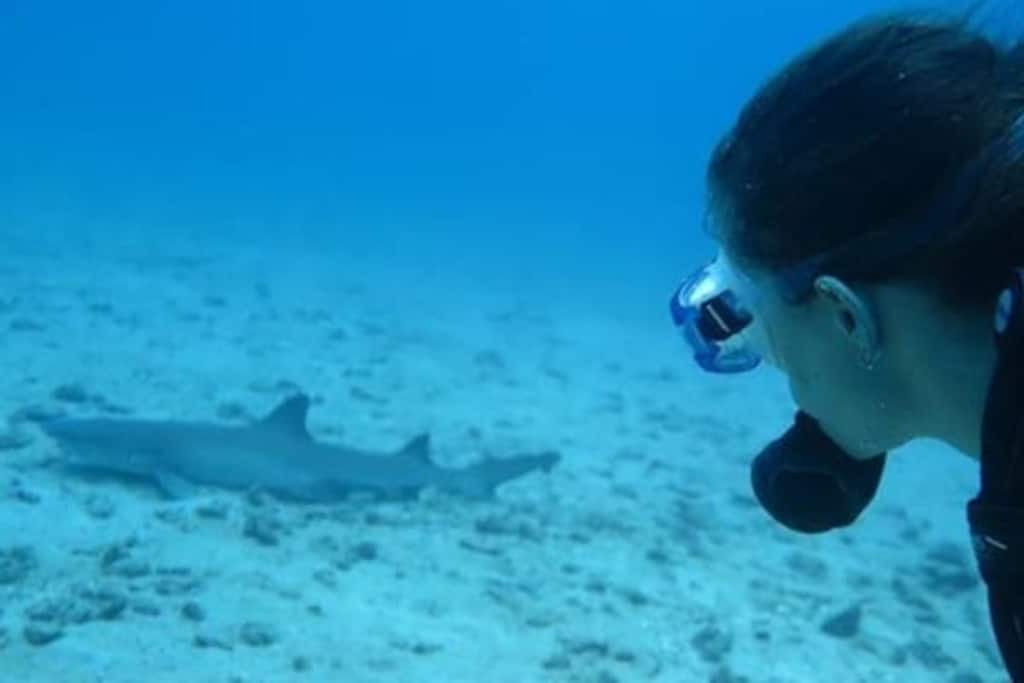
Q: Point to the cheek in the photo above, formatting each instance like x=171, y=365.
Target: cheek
x=846, y=406
x=826, y=384
x=801, y=359
x=816, y=378
x=814, y=393
x=807, y=351
x=862, y=434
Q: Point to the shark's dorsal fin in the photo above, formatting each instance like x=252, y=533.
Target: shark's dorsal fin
x=417, y=448
x=289, y=417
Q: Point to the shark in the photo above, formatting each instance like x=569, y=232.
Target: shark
x=275, y=454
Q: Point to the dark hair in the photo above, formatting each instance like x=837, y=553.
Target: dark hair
x=864, y=131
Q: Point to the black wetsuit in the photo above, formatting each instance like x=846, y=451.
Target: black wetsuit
x=996, y=515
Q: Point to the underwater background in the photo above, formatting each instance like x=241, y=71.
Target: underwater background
x=452, y=217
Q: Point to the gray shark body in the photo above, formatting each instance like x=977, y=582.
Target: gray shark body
x=276, y=454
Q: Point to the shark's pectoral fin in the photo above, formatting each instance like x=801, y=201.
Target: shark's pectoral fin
x=174, y=486
x=418, y=448
x=289, y=417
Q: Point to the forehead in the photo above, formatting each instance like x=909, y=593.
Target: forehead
x=762, y=294
x=724, y=227
x=749, y=275
x=771, y=286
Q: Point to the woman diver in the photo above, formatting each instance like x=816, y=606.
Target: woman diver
x=868, y=204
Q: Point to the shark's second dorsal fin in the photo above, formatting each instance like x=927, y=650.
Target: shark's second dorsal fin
x=289, y=417
x=417, y=448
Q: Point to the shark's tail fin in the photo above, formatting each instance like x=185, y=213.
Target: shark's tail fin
x=481, y=480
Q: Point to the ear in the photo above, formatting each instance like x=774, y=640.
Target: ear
x=853, y=315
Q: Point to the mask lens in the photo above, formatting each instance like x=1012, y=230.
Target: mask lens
x=714, y=321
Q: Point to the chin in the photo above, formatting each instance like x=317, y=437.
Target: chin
x=858, y=446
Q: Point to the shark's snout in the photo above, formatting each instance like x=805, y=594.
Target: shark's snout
x=63, y=431
x=547, y=460
x=57, y=428
x=67, y=430
x=76, y=433
x=70, y=435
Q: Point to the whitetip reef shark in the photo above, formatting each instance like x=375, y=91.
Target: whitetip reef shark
x=277, y=455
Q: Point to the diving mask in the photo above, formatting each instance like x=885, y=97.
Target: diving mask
x=714, y=310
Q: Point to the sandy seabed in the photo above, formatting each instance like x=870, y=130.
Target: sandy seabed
x=641, y=557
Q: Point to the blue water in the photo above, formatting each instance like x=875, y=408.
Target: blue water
x=551, y=152
x=560, y=136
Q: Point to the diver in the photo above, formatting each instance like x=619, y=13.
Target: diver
x=868, y=206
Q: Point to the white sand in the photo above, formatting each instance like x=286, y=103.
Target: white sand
x=642, y=557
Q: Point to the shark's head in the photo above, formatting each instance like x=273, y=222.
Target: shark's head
x=108, y=444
